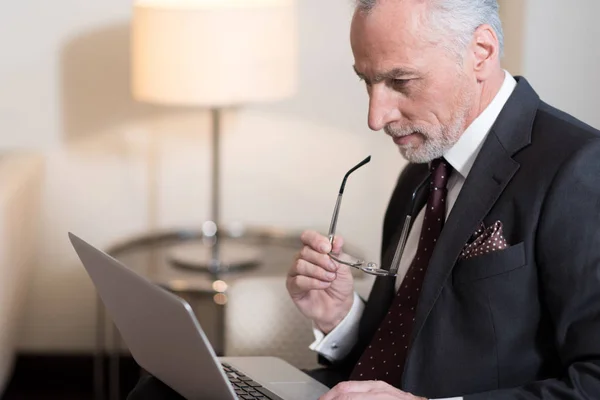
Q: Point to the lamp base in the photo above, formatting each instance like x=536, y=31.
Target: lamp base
x=199, y=256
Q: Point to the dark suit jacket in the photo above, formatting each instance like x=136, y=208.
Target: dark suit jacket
x=521, y=323
x=524, y=322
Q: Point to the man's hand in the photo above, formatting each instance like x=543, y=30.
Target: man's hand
x=322, y=289
x=376, y=390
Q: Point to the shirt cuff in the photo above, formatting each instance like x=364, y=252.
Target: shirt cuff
x=339, y=342
x=449, y=398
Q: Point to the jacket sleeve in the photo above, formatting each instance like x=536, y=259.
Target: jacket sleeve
x=567, y=251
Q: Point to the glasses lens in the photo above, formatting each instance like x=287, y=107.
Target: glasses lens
x=371, y=268
x=346, y=259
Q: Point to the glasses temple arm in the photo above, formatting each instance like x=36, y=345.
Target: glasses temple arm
x=338, y=202
x=406, y=228
x=357, y=166
x=401, y=245
x=334, y=218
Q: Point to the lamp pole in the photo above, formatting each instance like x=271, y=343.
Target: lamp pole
x=216, y=180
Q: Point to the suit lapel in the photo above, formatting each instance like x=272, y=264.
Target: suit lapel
x=480, y=191
x=491, y=173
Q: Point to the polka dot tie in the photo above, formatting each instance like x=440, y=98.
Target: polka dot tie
x=384, y=358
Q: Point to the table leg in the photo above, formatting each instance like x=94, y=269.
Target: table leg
x=99, y=352
x=115, y=386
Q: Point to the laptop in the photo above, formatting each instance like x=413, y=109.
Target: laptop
x=165, y=338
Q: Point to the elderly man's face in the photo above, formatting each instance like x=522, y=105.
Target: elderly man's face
x=419, y=92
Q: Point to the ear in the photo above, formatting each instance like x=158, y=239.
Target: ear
x=486, y=52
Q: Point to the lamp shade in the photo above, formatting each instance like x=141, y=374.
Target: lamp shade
x=213, y=52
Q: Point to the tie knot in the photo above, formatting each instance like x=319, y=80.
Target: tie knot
x=440, y=173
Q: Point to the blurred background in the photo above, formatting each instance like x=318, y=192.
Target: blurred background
x=79, y=153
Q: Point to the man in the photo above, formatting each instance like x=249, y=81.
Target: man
x=498, y=289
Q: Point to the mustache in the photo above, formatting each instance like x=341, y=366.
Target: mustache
x=399, y=131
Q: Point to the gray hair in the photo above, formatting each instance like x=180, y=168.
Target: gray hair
x=457, y=20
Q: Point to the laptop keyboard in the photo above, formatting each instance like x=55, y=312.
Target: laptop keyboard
x=245, y=387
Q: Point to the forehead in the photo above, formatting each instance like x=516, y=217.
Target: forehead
x=392, y=34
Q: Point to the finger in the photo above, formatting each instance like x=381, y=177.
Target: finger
x=359, y=387
x=313, y=257
x=304, y=268
x=372, y=390
x=376, y=395
x=363, y=386
x=316, y=241
x=302, y=284
x=338, y=242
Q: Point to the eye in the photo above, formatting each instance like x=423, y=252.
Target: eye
x=361, y=79
x=399, y=83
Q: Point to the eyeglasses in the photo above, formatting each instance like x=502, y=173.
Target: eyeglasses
x=371, y=267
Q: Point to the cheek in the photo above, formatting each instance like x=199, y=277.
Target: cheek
x=422, y=106
x=412, y=109
x=438, y=109
x=427, y=108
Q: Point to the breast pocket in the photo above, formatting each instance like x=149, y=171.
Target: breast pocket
x=489, y=265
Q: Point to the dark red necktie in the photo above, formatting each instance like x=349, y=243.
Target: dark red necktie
x=385, y=356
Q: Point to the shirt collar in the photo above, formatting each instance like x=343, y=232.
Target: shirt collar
x=464, y=152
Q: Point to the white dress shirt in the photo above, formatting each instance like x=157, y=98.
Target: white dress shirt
x=339, y=342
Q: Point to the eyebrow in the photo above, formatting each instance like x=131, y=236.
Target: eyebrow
x=395, y=73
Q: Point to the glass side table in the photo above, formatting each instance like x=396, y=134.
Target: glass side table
x=151, y=256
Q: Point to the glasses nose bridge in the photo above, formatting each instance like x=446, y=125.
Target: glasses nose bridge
x=370, y=268
x=376, y=270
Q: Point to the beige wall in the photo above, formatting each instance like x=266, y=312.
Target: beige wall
x=512, y=14
x=65, y=91
x=63, y=74
x=562, y=55
x=553, y=43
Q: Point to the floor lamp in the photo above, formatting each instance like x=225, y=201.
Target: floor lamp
x=213, y=54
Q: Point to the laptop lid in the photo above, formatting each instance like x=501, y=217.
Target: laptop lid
x=160, y=329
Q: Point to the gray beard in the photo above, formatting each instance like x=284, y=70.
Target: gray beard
x=431, y=149
x=434, y=146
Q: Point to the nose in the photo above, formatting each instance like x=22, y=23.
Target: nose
x=382, y=108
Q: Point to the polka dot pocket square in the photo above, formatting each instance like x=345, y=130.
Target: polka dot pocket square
x=485, y=240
